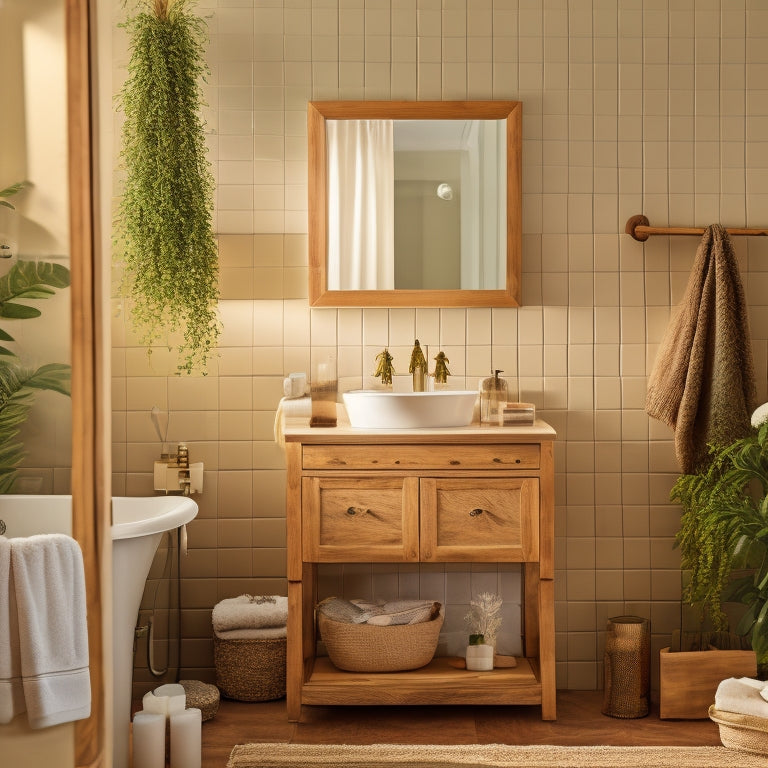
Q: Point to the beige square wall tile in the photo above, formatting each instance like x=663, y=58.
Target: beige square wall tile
x=581, y=616
x=269, y=532
x=580, y=585
x=235, y=425
x=665, y=585
x=236, y=283
x=235, y=494
x=234, y=563
x=233, y=532
x=637, y=585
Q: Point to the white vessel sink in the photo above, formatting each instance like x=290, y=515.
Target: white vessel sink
x=375, y=409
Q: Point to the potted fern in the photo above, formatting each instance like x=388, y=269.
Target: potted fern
x=723, y=540
x=723, y=536
x=165, y=213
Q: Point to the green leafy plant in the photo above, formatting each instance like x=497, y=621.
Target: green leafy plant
x=14, y=189
x=18, y=383
x=723, y=535
x=165, y=214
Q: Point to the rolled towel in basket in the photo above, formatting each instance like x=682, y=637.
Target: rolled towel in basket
x=380, y=613
x=400, y=611
x=268, y=633
x=742, y=696
x=250, y=612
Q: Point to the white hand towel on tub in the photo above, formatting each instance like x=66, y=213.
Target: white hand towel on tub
x=49, y=584
x=250, y=612
x=11, y=691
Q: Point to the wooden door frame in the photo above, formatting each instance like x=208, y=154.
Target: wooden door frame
x=90, y=396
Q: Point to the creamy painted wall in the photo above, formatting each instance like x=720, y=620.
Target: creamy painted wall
x=630, y=106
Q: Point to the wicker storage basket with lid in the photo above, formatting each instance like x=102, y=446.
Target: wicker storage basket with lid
x=371, y=648
x=250, y=670
x=747, y=733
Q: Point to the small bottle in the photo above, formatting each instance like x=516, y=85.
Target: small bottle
x=182, y=456
x=418, y=368
x=493, y=395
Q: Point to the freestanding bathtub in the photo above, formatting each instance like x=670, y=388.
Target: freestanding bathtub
x=137, y=527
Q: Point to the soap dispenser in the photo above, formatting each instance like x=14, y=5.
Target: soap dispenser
x=493, y=395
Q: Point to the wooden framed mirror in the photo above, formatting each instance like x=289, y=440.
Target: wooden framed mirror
x=437, y=219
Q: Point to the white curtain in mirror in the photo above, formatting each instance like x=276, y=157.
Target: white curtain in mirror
x=361, y=251
x=483, y=205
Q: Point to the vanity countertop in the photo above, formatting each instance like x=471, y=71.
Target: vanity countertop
x=297, y=429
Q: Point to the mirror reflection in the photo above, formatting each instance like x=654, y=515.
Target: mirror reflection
x=414, y=203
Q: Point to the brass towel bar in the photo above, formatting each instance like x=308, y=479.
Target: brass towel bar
x=639, y=227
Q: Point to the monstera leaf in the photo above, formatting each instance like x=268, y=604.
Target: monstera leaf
x=17, y=385
x=29, y=280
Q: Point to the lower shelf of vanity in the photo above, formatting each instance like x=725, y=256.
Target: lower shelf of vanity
x=437, y=683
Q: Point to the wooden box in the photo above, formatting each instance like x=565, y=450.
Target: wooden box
x=688, y=680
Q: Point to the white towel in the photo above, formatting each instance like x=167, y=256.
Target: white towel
x=268, y=633
x=742, y=696
x=250, y=612
x=49, y=584
x=290, y=407
x=11, y=691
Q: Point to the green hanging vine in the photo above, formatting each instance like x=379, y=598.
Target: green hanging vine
x=165, y=214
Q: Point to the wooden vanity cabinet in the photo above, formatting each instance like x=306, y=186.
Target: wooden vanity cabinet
x=471, y=494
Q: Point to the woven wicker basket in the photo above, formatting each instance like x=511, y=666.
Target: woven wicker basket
x=369, y=648
x=746, y=733
x=202, y=696
x=250, y=670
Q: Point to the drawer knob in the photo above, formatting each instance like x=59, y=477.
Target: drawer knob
x=475, y=512
x=355, y=510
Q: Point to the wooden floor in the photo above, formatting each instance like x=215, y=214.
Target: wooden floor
x=580, y=722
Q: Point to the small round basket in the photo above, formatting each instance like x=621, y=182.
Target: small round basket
x=370, y=648
x=250, y=670
x=746, y=733
x=202, y=696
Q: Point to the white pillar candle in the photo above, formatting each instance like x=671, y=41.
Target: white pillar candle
x=186, y=739
x=170, y=689
x=148, y=740
x=175, y=697
x=157, y=705
x=167, y=700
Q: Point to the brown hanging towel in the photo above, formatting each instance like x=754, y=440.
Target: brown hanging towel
x=702, y=383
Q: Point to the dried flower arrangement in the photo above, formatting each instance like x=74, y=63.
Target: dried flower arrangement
x=484, y=617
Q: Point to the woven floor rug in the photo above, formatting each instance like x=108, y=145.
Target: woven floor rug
x=279, y=755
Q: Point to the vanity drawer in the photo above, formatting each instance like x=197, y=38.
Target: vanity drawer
x=425, y=456
x=360, y=519
x=480, y=519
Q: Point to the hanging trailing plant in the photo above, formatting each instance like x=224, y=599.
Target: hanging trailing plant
x=165, y=214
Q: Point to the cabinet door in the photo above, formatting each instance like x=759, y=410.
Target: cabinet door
x=360, y=519
x=480, y=519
